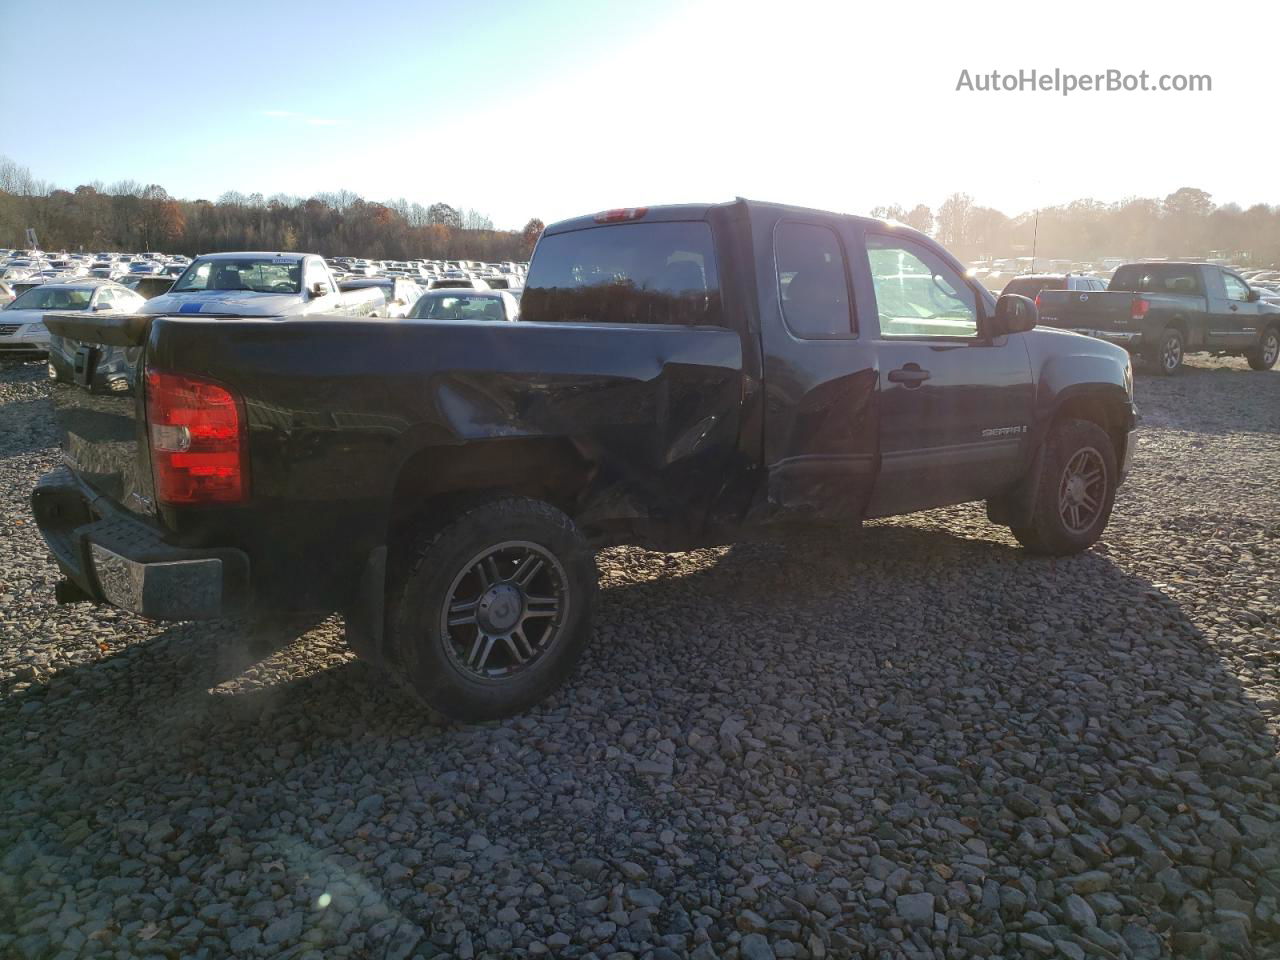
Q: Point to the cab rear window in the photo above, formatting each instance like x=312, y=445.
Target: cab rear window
x=1153, y=278
x=625, y=273
x=1026, y=287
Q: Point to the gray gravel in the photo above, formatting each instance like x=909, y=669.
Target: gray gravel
x=922, y=744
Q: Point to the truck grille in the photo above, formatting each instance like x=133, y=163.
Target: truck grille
x=9, y=329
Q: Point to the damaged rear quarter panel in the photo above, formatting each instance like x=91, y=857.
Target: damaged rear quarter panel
x=336, y=407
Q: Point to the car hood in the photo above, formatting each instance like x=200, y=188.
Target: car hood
x=1072, y=341
x=242, y=303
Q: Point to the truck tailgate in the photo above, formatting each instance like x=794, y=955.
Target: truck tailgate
x=1084, y=311
x=96, y=366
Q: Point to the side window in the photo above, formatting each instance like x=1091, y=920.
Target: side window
x=315, y=274
x=1176, y=280
x=106, y=300
x=198, y=279
x=661, y=272
x=812, y=281
x=917, y=293
x=1237, y=289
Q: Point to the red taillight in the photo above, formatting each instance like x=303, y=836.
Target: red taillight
x=1037, y=301
x=1140, y=308
x=622, y=213
x=197, y=440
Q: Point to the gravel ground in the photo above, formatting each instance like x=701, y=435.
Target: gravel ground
x=923, y=744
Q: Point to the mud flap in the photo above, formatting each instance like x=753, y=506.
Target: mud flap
x=1016, y=507
x=365, y=621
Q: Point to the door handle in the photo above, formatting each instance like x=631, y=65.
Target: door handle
x=909, y=376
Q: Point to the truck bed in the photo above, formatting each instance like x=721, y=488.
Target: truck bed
x=338, y=409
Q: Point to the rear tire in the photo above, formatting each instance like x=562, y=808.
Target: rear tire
x=1264, y=356
x=1077, y=490
x=493, y=609
x=1166, y=359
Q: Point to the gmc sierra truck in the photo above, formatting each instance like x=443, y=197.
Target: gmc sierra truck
x=1165, y=310
x=680, y=376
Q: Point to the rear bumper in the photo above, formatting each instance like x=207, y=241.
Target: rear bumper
x=115, y=557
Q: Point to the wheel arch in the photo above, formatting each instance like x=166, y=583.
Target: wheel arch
x=1179, y=322
x=1103, y=404
x=542, y=468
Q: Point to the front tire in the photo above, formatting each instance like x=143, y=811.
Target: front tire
x=492, y=610
x=1077, y=490
x=1167, y=357
x=1264, y=356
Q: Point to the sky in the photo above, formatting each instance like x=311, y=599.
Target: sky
x=554, y=109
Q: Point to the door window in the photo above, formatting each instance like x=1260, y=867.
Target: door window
x=1237, y=289
x=812, y=281
x=917, y=293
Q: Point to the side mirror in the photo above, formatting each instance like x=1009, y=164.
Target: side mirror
x=320, y=289
x=98, y=308
x=1254, y=295
x=1014, y=314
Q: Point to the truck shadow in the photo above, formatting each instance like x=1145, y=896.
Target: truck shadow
x=914, y=655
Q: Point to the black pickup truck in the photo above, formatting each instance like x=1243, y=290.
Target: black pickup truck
x=1165, y=310
x=680, y=376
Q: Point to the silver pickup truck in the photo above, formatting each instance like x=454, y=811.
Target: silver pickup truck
x=263, y=285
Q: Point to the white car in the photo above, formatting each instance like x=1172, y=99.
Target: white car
x=22, y=330
x=459, y=283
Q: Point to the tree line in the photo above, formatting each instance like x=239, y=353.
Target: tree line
x=1185, y=224
x=130, y=216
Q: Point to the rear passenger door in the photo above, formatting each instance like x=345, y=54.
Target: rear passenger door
x=954, y=407
x=818, y=370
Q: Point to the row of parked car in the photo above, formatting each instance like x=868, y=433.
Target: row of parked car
x=245, y=285
x=1159, y=310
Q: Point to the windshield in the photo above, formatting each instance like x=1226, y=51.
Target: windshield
x=46, y=298
x=259, y=274
x=458, y=308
